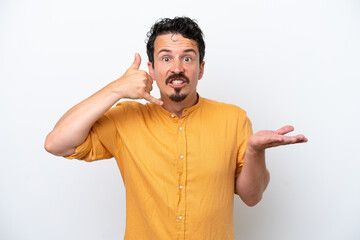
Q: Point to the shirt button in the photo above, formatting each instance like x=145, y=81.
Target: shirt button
x=180, y=187
x=180, y=217
x=180, y=128
x=172, y=115
x=181, y=156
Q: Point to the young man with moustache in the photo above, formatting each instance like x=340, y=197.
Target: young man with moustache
x=182, y=157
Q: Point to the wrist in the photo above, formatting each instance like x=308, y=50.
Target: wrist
x=116, y=89
x=253, y=151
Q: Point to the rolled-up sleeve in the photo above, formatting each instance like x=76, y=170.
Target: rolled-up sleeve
x=101, y=142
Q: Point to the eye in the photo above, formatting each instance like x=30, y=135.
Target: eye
x=187, y=59
x=166, y=59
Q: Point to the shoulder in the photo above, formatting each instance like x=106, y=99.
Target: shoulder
x=127, y=108
x=222, y=108
x=130, y=105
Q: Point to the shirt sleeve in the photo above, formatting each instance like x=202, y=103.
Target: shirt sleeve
x=100, y=143
x=244, y=133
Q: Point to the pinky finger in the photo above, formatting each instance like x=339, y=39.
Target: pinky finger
x=301, y=138
x=151, y=99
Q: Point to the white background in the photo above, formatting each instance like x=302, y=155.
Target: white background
x=284, y=62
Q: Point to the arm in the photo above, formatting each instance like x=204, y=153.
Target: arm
x=254, y=177
x=72, y=129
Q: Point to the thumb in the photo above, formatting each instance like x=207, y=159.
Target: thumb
x=137, y=62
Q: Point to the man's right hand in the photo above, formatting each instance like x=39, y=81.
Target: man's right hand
x=135, y=83
x=73, y=128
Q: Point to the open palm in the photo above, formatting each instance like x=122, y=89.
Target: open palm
x=267, y=139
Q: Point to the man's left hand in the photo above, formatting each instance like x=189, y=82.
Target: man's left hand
x=267, y=139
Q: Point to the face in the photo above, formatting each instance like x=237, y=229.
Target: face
x=176, y=67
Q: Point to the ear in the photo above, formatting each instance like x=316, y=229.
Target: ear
x=201, y=73
x=151, y=70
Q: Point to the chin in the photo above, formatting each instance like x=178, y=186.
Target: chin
x=178, y=97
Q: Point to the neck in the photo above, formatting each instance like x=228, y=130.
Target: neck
x=178, y=107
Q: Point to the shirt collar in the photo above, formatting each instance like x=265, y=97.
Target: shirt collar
x=185, y=111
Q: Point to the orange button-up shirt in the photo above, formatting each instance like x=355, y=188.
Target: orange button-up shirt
x=179, y=173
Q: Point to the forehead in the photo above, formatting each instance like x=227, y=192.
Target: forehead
x=174, y=42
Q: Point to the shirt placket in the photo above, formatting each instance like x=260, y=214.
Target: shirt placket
x=181, y=179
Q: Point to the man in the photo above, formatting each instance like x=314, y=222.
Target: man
x=182, y=157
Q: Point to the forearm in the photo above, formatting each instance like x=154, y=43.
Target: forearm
x=73, y=127
x=254, y=177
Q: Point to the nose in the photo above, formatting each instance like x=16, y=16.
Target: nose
x=177, y=67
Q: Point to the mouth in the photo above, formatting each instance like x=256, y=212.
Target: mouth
x=177, y=83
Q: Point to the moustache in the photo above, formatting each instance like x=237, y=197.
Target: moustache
x=177, y=76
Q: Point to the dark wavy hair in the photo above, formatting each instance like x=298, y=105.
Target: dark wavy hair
x=187, y=27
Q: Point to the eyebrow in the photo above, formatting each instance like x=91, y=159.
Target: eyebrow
x=190, y=50
x=168, y=51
